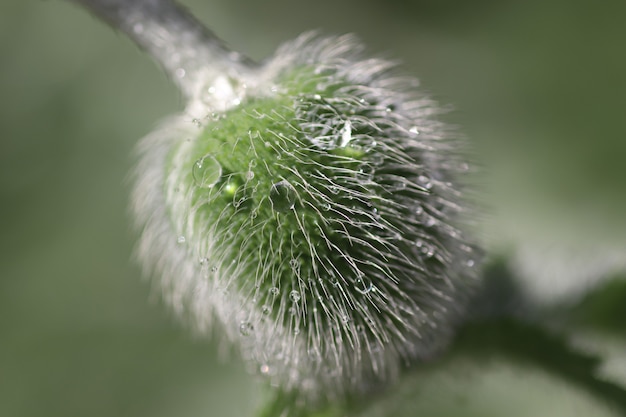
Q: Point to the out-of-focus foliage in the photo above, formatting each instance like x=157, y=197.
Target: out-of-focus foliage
x=538, y=86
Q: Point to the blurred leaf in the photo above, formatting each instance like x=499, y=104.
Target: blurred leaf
x=604, y=308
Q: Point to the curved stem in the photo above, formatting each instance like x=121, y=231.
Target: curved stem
x=527, y=343
x=190, y=54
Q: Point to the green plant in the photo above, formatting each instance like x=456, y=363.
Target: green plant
x=312, y=205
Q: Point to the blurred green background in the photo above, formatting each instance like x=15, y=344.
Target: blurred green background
x=538, y=86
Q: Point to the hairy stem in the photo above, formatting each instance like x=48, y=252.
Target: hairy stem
x=190, y=54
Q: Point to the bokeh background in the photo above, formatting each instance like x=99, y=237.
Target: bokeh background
x=539, y=86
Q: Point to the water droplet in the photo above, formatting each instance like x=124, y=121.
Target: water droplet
x=245, y=328
x=399, y=185
x=363, y=285
x=265, y=369
x=181, y=239
x=206, y=171
x=213, y=268
x=196, y=122
x=294, y=264
x=428, y=251
x=204, y=261
x=425, y=182
x=296, y=331
x=414, y=131
x=366, y=172
x=282, y=196
x=249, y=175
x=180, y=73
x=266, y=309
x=430, y=222
x=274, y=291
x=470, y=263
x=294, y=296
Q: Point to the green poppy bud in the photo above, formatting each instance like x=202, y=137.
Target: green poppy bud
x=312, y=209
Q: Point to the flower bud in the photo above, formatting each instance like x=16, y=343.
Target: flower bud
x=312, y=210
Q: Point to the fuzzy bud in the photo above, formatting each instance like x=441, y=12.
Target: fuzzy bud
x=310, y=209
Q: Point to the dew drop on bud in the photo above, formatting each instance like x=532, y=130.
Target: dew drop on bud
x=366, y=172
x=294, y=296
x=425, y=182
x=245, y=328
x=294, y=263
x=428, y=251
x=206, y=172
x=282, y=196
x=364, y=286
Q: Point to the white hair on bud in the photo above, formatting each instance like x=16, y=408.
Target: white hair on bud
x=389, y=269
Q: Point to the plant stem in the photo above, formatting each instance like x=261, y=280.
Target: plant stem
x=527, y=343
x=190, y=54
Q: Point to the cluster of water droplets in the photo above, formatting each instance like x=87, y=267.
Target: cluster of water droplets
x=330, y=123
x=223, y=93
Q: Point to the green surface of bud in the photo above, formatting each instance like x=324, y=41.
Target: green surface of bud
x=312, y=210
